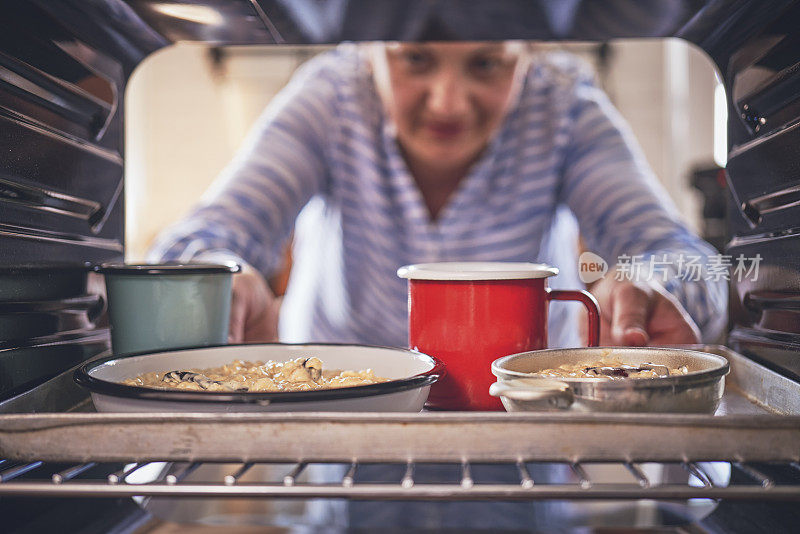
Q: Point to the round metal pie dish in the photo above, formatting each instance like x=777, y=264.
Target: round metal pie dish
x=698, y=391
x=411, y=375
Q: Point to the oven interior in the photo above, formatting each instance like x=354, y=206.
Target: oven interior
x=64, y=68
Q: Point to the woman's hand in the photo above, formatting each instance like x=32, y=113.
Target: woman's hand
x=254, y=309
x=640, y=314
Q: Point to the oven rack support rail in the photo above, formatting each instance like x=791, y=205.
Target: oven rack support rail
x=34, y=479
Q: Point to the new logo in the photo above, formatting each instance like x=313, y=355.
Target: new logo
x=591, y=267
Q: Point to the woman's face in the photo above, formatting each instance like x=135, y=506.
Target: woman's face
x=447, y=99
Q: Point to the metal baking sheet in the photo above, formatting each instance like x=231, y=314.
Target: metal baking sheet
x=752, y=388
x=759, y=420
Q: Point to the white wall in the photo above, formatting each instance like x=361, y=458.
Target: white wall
x=185, y=118
x=665, y=91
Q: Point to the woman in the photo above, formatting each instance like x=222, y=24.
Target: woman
x=408, y=153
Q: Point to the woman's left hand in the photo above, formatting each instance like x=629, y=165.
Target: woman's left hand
x=640, y=314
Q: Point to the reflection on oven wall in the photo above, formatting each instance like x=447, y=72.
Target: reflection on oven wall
x=190, y=105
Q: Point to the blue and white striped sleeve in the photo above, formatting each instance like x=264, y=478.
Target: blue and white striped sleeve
x=624, y=212
x=250, y=209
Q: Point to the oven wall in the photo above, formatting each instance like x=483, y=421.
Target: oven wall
x=60, y=130
x=761, y=66
x=62, y=79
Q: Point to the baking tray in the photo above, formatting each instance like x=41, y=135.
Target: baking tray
x=758, y=420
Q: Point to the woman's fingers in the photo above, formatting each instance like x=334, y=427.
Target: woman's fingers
x=670, y=323
x=236, y=323
x=630, y=308
x=263, y=327
x=640, y=314
x=254, y=309
x=239, y=308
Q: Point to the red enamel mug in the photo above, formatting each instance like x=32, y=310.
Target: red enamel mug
x=468, y=314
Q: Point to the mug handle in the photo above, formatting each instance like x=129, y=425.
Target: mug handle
x=591, y=305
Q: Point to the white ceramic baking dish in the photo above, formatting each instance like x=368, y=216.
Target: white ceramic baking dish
x=411, y=374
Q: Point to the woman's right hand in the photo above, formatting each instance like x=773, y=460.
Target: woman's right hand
x=254, y=309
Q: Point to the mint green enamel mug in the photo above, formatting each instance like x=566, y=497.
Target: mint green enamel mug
x=165, y=306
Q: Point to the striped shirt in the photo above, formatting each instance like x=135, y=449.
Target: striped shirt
x=323, y=160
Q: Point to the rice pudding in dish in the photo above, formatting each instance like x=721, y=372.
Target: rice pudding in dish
x=300, y=374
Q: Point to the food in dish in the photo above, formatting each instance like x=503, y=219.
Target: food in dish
x=300, y=374
x=611, y=368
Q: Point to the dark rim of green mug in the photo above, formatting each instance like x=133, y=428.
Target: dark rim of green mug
x=167, y=268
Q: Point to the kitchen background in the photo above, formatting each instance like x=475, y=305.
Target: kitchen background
x=189, y=106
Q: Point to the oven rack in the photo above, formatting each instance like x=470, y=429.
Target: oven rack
x=39, y=479
x=756, y=430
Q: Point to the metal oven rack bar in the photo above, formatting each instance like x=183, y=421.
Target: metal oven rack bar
x=69, y=483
